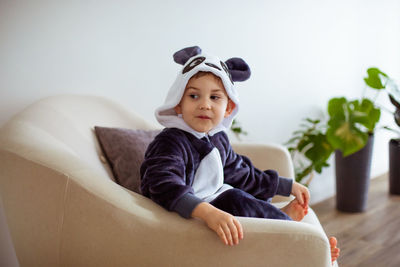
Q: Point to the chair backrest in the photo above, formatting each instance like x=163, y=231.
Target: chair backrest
x=62, y=126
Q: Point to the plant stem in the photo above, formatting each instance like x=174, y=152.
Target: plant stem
x=364, y=92
x=310, y=179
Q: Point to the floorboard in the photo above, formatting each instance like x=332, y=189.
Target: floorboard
x=370, y=238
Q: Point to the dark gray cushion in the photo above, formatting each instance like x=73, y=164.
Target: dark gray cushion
x=124, y=150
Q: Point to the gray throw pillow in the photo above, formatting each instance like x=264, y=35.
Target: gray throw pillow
x=124, y=150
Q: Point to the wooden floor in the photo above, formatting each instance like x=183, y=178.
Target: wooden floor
x=371, y=238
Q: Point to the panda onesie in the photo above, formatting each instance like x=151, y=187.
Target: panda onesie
x=183, y=168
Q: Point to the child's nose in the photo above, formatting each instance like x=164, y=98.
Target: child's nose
x=205, y=105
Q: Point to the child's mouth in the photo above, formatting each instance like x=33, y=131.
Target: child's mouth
x=203, y=117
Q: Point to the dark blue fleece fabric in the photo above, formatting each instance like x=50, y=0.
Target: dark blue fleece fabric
x=169, y=168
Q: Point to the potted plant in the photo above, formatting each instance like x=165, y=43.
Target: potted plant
x=237, y=130
x=349, y=133
x=380, y=80
x=394, y=149
x=310, y=150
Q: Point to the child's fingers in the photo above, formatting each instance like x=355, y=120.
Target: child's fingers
x=307, y=195
x=307, y=201
x=239, y=228
x=221, y=234
x=234, y=232
x=228, y=234
x=300, y=199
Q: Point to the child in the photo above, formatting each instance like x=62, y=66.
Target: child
x=190, y=166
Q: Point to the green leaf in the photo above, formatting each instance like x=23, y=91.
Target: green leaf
x=391, y=129
x=302, y=144
x=318, y=167
x=319, y=152
x=374, y=80
x=366, y=114
x=312, y=121
x=346, y=137
x=291, y=141
x=310, y=149
x=236, y=129
x=347, y=119
x=336, y=106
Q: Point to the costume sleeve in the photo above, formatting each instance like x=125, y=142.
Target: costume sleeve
x=163, y=176
x=240, y=173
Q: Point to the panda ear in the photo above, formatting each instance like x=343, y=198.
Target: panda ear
x=183, y=55
x=238, y=69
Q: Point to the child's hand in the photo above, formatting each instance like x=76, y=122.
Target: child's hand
x=301, y=193
x=227, y=227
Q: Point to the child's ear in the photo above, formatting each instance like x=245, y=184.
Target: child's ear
x=178, y=109
x=229, y=108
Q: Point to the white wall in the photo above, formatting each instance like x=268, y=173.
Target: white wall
x=301, y=54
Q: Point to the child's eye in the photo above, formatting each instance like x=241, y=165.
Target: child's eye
x=193, y=96
x=215, y=97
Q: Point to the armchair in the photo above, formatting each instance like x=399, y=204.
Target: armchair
x=64, y=209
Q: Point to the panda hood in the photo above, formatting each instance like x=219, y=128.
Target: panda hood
x=193, y=61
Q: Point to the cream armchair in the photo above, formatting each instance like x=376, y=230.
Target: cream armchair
x=63, y=208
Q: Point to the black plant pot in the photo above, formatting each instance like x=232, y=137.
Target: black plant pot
x=394, y=166
x=352, y=178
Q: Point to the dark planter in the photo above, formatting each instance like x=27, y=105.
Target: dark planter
x=352, y=178
x=394, y=166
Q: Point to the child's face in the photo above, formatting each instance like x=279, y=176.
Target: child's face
x=205, y=103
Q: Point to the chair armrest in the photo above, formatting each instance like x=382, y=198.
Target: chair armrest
x=268, y=156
